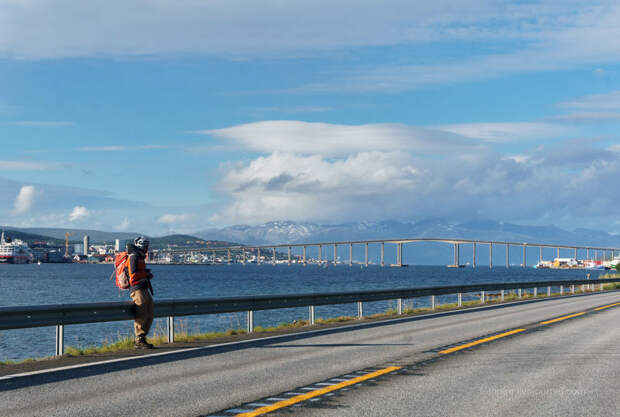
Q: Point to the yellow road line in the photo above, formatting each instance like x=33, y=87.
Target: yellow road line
x=563, y=318
x=607, y=306
x=477, y=342
x=318, y=392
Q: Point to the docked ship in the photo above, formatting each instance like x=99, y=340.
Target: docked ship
x=14, y=251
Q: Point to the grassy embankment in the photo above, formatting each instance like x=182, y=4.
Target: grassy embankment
x=184, y=335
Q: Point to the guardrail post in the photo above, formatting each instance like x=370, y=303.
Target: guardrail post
x=561, y=289
x=311, y=315
x=250, y=324
x=502, y=295
x=520, y=293
x=170, y=322
x=601, y=287
x=360, y=310
x=535, y=292
x=549, y=291
x=572, y=289
x=481, y=297
x=583, y=287
x=399, y=306
x=460, y=299
x=60, y=339
x=432, y=302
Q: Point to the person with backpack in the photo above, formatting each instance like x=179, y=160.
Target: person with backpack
x=140, y=290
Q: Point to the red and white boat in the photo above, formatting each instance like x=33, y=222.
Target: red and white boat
x=14, y=251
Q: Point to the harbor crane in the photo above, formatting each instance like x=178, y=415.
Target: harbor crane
x=67, y=244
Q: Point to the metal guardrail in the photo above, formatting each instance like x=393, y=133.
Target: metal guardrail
x=22, y=317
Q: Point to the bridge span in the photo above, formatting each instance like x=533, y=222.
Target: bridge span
x=557, y=356
x=272, y=253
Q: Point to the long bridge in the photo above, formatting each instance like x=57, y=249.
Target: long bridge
x=271, y=251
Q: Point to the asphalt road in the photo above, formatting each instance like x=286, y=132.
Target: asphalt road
x=566, y=368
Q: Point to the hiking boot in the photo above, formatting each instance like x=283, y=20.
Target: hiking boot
x=142, y=344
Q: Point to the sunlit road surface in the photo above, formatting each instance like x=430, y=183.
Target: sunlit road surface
x=492, y=361
x=567, y=369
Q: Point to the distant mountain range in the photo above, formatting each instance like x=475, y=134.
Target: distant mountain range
x=278, y=232
x=95, y=236
x=56, y=237
x=296, y=232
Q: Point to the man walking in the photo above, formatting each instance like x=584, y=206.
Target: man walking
x=140, y=290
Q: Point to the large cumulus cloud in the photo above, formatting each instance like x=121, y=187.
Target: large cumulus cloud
x=555, y=182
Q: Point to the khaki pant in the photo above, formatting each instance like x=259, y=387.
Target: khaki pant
x=144, y=312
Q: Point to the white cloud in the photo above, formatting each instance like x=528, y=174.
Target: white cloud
x=25, y=166
x=586, y=117
x=537, y=36
x=542, y=183
x=25, y=200
x=79, y=213
x=507, y=132
x=124, y=225
x=176, y=218
x=43, y=124
x=607, y=101
x=65, y=28
x=339, y=140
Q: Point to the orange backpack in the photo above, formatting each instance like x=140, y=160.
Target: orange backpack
x=120, y=270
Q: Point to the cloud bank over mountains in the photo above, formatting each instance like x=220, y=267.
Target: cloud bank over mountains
x=323, y=172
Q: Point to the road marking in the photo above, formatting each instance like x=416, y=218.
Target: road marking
x=563, y=318
x=479, y=341
x=607, y=306
x=318, y=392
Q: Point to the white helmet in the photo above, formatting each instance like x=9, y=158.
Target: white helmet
x=141, y=242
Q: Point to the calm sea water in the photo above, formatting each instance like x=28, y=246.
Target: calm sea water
x=73, y=283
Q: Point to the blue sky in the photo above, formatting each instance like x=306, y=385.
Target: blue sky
x=160, y=116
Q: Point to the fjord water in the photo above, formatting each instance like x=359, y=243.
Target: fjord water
x=22, y=285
